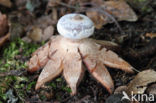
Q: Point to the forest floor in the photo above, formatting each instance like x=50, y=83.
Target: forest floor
x=136, y=47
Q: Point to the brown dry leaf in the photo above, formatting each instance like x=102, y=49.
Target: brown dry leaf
x=108, y=44
x=151, y=35
x=6, y=3
x=120, y=89
x=42, y=29
x=3, y=24
x=151, y=89
x=4, y=39
x=97, y=18
x=139, y=84
x=53, y=3
x=47, y=33
x=35, y=34
x=3, y=29
x=119, y=9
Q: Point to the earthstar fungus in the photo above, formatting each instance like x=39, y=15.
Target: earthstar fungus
x=72, y=51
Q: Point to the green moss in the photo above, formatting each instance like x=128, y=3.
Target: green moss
x=14, y=49
x=63, y=85
x=53, y=85
x=30, y=85
x=13, y=56
x=67, y=89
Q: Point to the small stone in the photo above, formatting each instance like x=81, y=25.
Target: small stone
x=116, y=98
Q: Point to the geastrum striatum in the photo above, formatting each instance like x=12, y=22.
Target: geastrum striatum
x=72, y=51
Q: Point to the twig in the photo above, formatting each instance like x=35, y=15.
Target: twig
x=13, y=73
x=110, y=16
x=66, y=5
x=82, y=99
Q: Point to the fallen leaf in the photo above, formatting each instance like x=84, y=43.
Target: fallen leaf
x=139, y=84
x=151, y=89
x=118, y=9
x=120, y=89
x=3, y=24
x=45, y=21
x=35, y=34
x=41, y=30
x=97, y=18
x=3, y=39
x=47, y=33
x=121, y=10
x=53, y=3
x=6, y=3
x=151, y=35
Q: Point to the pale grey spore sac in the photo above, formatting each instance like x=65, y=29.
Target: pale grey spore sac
x=70, y=27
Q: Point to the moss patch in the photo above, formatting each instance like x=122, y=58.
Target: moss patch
x=13, y=56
